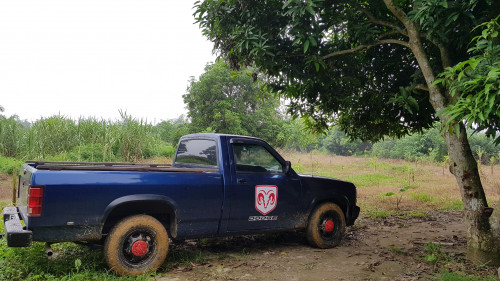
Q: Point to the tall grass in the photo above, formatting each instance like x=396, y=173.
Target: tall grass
x=11, y=131
x=85, y=139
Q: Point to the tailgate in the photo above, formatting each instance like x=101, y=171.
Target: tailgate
x=22, y=192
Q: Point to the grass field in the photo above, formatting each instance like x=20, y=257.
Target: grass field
x=430, y=187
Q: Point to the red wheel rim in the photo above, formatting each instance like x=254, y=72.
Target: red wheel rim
x=329, y=226
x=139, y=248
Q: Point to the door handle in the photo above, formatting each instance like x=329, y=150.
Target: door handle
x=241, y=181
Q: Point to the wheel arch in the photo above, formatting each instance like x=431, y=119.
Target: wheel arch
x=341, y=200
x=158, y=206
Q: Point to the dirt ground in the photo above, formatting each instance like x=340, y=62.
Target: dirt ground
x=392, y=248
x=5, y=187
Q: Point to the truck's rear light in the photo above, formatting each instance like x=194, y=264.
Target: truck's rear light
x=35, y=198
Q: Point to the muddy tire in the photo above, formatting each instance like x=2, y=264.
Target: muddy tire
x=136, y=245
x=326, y=226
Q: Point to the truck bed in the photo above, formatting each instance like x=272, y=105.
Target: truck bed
x=112, y=166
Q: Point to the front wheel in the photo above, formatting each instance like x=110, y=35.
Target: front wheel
x=326, y=226
x=136, y=245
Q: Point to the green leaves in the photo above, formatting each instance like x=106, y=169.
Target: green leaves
x=442, y=20
x=306, y=46
x=298, y=8
x=405, y=100
x=404, y=188
x=389, y=194
x=226, y=101
x=475, y=84
x=312, y=52
x=317, y=62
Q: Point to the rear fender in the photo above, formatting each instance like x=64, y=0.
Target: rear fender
x=161, y=207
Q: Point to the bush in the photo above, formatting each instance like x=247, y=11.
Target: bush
x=428, y=144
x=91, y=153
x=166, y=151
x=8, y=164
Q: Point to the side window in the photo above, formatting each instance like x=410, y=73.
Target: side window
x=255, y=158
x=196, y=153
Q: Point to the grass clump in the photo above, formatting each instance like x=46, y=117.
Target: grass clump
x=435, y=255
x=7, y=164
x=454, y=205
x=377, y=214
x=399, y=169
x=456, y=276
x=72, y=262
x=416, y=214
x=367, y=180
x=184, y=257
x=424, y=198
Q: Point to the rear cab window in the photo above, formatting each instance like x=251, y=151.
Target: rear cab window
x=197, y=153
x=255, y=158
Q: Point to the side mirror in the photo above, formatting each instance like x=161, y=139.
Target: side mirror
x=288, y=167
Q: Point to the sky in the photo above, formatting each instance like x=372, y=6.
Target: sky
x=92, y=58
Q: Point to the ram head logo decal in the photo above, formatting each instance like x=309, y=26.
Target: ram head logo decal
x=266, y=198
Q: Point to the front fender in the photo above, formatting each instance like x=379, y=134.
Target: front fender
x=336, y=198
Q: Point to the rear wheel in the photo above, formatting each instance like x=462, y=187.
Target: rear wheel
x=326, y=226
x=136, y=245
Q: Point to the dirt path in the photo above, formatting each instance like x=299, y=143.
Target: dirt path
x=388, y=249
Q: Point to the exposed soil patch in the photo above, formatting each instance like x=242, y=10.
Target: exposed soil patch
x=388, y=249
x=5, y=187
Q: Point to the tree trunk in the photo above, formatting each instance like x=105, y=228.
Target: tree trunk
x=482, y=246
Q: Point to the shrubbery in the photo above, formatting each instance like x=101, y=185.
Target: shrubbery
x=430, y=144
x=59, y=138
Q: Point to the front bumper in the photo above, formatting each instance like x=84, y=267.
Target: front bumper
x=15, y=232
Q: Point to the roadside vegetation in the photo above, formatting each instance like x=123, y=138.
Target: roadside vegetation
x=60, y=138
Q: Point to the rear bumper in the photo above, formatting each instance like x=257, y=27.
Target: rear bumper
x=15, y=233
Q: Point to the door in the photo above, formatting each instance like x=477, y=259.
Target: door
x=261, y=194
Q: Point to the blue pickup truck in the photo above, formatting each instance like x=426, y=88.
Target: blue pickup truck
x=218, y=185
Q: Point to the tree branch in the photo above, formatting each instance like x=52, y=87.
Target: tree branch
x=445, y=58
x=366, y=46
x=384, y=23
x=421, y=87
x=389, y=34
x=400, y=14
x=376, y=21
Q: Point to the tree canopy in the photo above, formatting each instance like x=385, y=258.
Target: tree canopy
x=475, y=84
x=345, y=62
x=368, y=66
x=226, y=101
